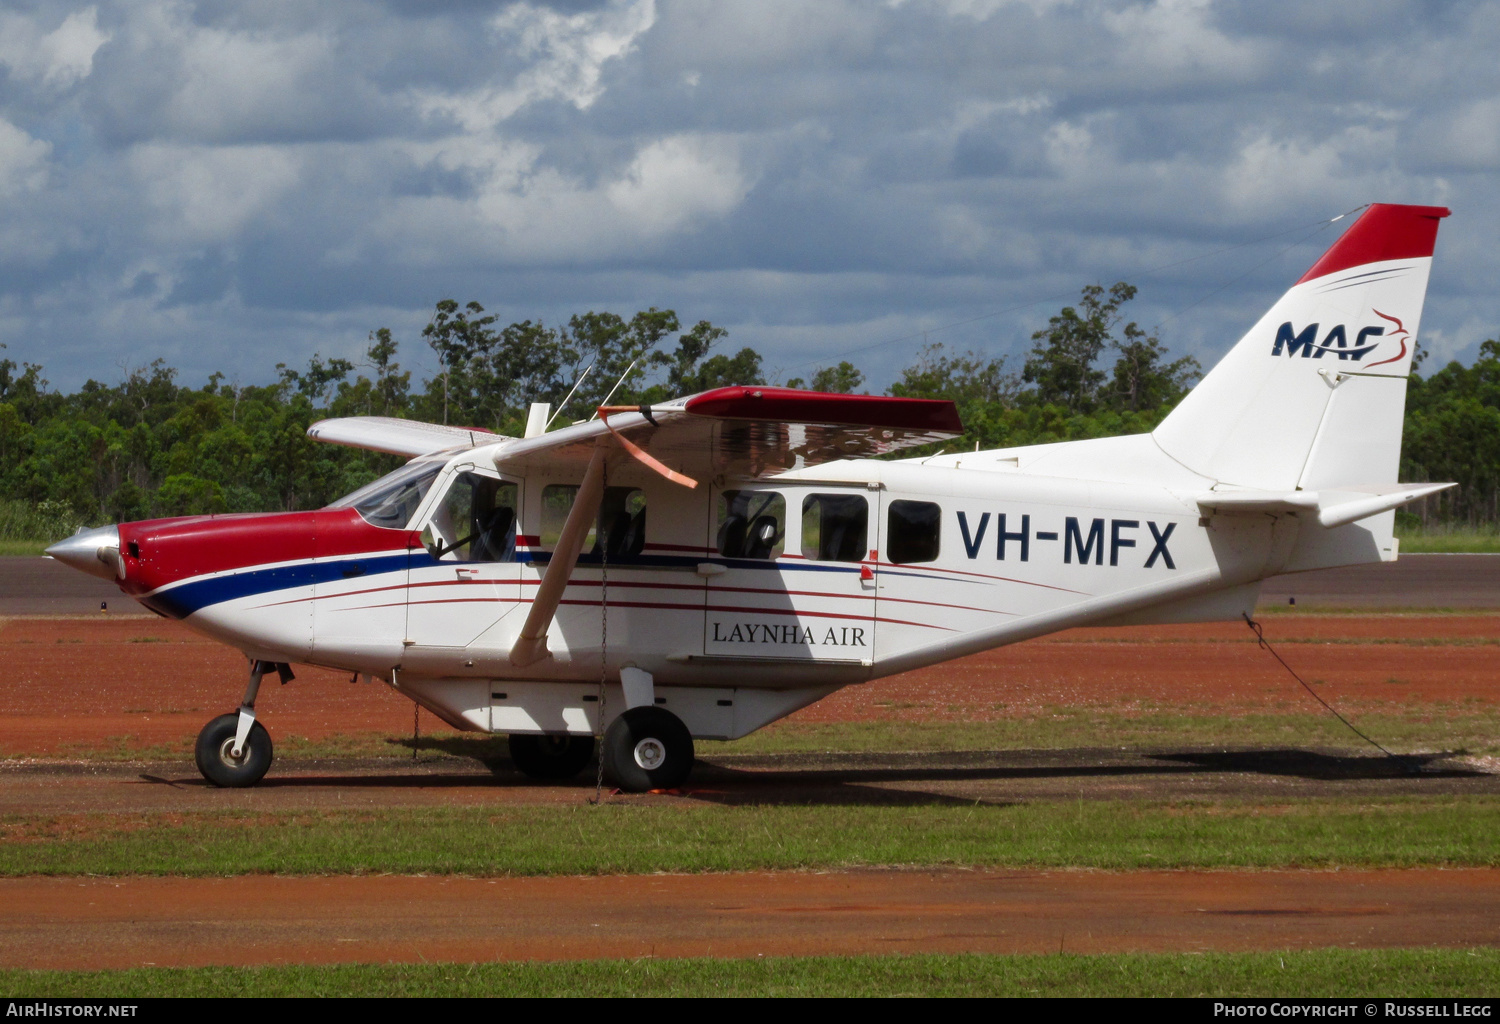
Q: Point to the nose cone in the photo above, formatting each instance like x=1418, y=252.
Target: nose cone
x=96, y=552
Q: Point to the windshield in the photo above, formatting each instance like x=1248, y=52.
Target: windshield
x=393, y=499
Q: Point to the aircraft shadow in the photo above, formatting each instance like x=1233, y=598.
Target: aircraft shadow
x=923, y=779
x=867, y=783
x=1314, y=765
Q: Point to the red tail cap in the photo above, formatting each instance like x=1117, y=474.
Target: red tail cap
x=1383, y=232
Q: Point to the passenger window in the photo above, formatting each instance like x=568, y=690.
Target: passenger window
x=911, y=533
x=619, y=530
x=476, y=520
x=834, y=527
x=752, y=524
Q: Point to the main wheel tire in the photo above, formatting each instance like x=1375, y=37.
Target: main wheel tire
x=647, y=748
x=551, y=758
x=216, y=760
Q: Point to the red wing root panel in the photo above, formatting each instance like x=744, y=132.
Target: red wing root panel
x=786, y=405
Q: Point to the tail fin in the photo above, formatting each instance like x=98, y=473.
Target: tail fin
x=1313, y=396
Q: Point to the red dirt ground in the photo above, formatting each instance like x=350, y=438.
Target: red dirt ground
x=77, y=923
x=77, y=684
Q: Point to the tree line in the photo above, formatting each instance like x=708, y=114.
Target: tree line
x=150, y=446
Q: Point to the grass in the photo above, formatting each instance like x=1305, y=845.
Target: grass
x=1438, y=539
x=1343, y=973
x=628, y=836
x=23, y=547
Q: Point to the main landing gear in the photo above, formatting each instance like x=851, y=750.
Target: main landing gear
x=551, y=758
x=234, y=750
x=647, y=748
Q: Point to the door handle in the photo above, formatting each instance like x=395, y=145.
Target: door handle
x=464, y=573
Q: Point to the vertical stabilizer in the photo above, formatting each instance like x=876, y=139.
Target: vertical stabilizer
x=1313, y=396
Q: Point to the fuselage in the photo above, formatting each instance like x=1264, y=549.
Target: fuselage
x=831, y=576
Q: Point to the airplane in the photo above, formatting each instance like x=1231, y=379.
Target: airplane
x=700, y=568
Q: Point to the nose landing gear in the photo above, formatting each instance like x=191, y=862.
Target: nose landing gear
x=234, y=750
x=217, y=759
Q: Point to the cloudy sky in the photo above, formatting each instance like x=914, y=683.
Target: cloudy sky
x=230, y=185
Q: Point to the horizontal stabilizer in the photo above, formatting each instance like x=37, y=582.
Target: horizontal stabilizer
x=1248, y=502
x=1340, y=508
x=398, y=437
x=1332, y=508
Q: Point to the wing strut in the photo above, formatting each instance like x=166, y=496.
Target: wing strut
x=531, y=646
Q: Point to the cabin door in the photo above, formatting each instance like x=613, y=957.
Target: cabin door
x=798, y=579
x=467, y=577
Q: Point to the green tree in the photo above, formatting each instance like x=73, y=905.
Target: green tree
x=618, y=350
x=967, y=379
x=391, y=384
x=1142, y=379
x=1452, y=432
x=1061, y=365
x=843, y=379
x=460, y=337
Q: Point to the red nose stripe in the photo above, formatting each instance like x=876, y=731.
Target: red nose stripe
x=177, y=549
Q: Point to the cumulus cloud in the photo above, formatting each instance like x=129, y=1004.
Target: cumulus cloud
x=558, y=57
x=57, y=58
x=520, y=210
x=207, y=195
x=23, y=160
x=818, y=177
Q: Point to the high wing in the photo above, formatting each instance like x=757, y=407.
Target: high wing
x=737, y=431
x=748, y=432
x=399, y=437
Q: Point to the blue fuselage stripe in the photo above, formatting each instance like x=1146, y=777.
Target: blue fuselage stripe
x=183, y=600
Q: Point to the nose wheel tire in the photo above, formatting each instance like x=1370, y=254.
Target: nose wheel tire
x=551, y=758
x=215, y=753
x=647, y=748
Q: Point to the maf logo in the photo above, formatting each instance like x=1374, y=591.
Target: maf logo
x=1336, y=341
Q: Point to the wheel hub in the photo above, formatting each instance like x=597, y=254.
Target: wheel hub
x=226, y=753
x=650, y=753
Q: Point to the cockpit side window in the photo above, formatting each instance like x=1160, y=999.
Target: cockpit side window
x=391, y=501
x=476, y=520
